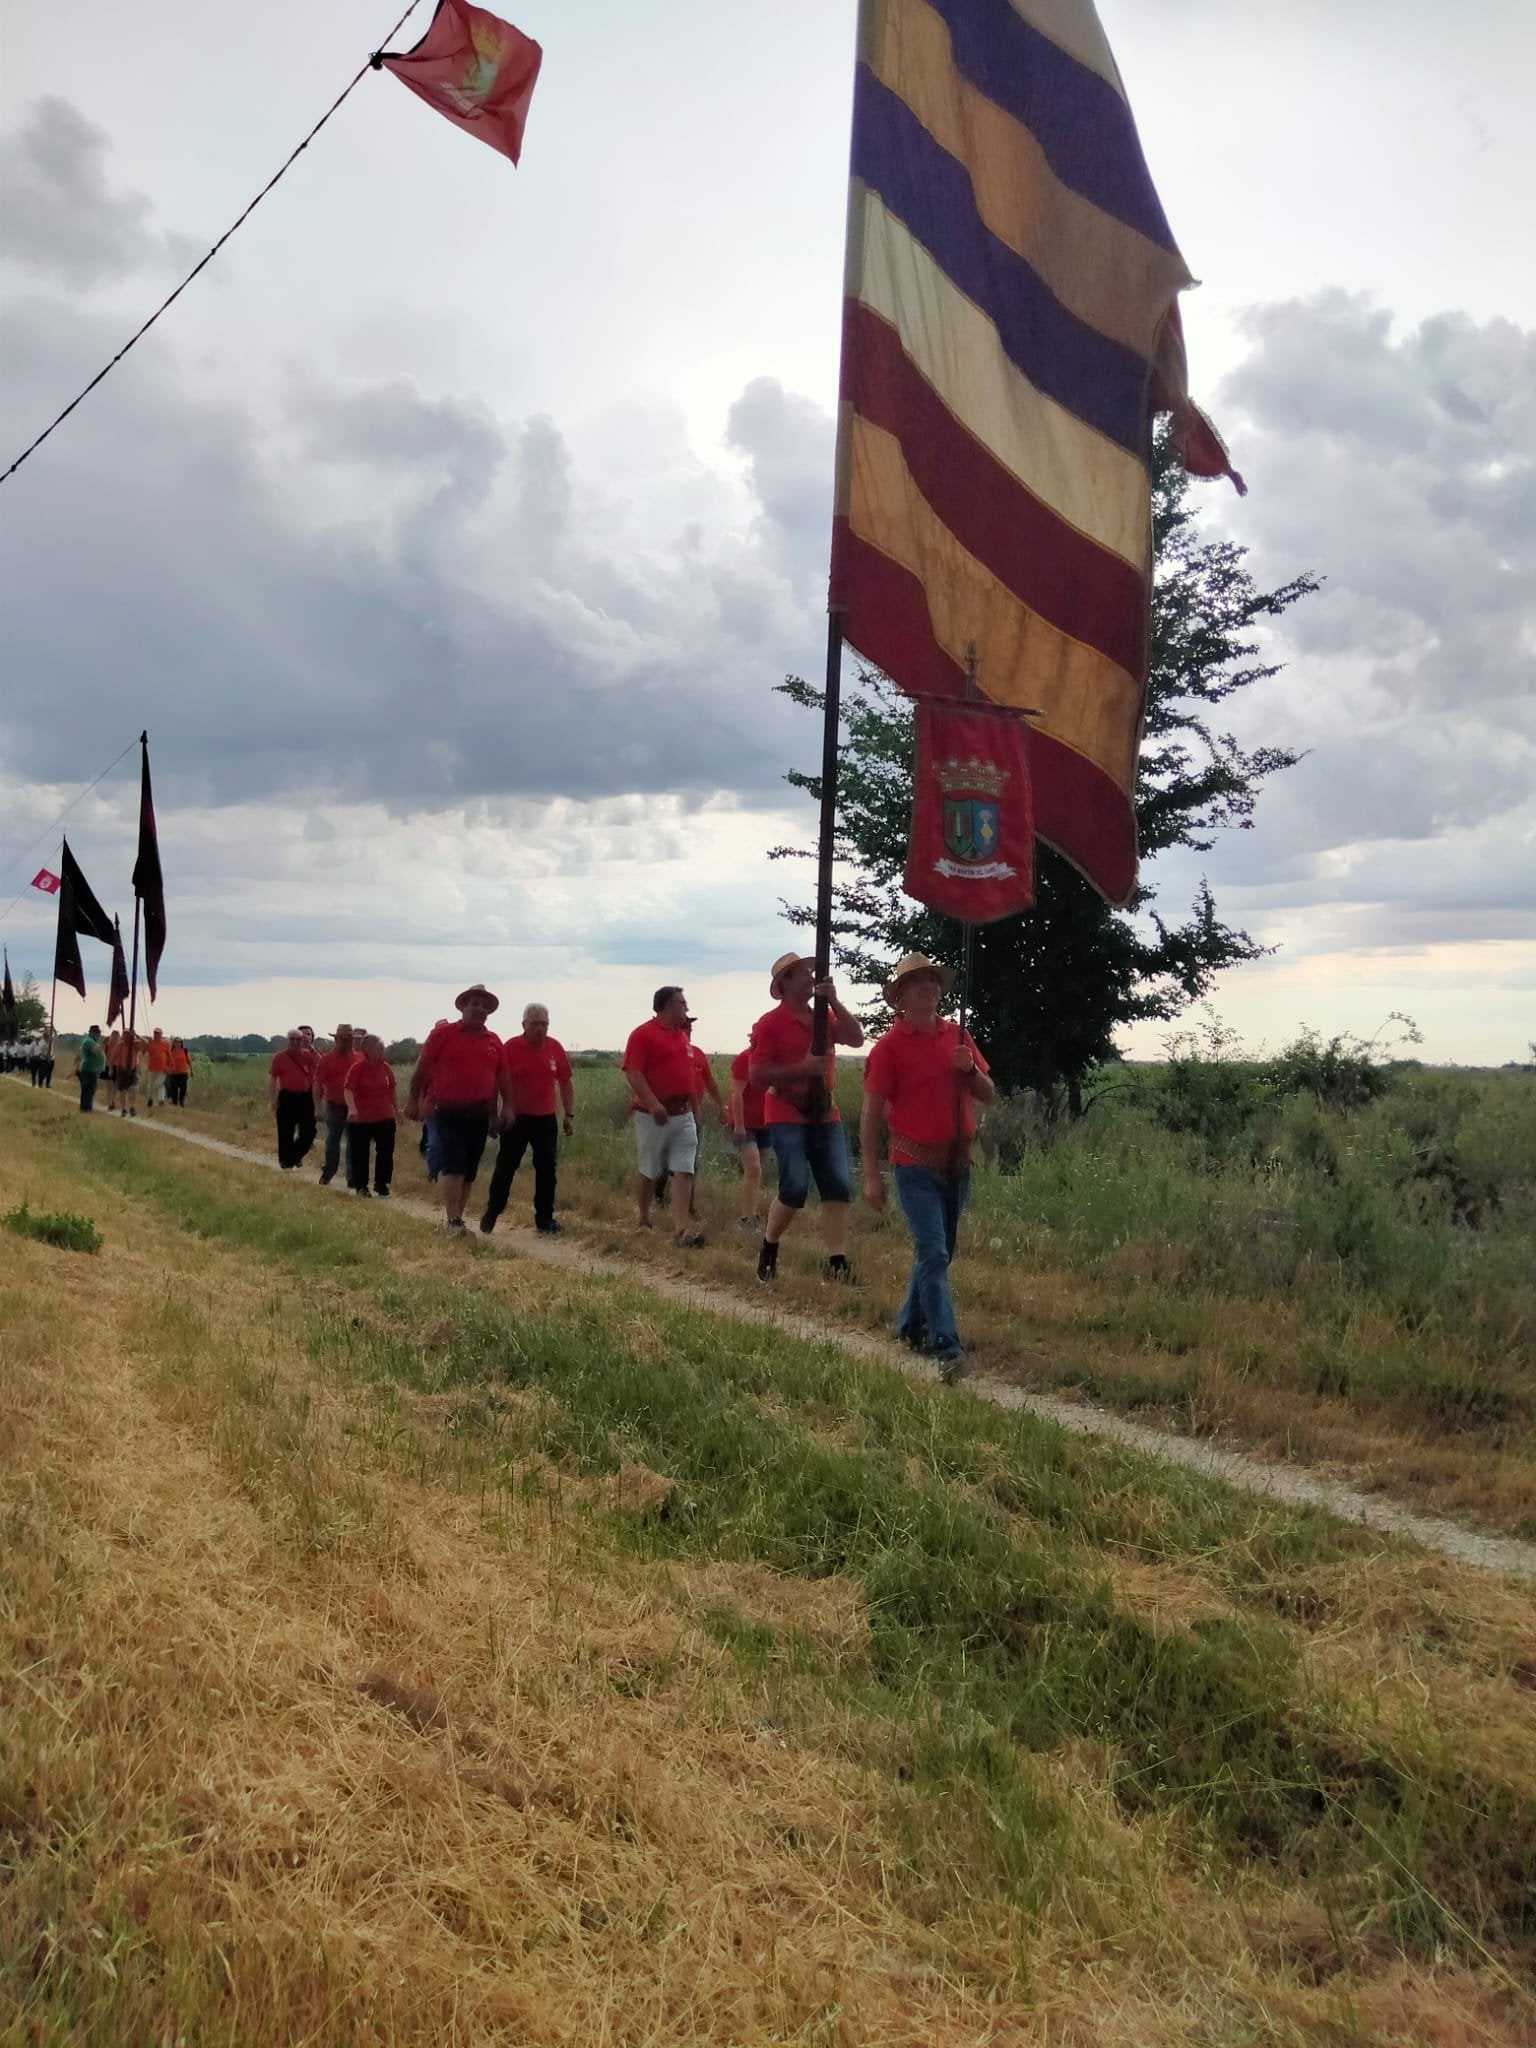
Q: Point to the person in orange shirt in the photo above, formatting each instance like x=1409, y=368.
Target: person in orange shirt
x=180, y=1074
x=369, y=1094
x=460, y=1069
x=157, y=1064
x=803, y=1119
x=533, y=1066
x=924, y=1078
x=291, y=1093
x=331, y=1070
x=130, y=1051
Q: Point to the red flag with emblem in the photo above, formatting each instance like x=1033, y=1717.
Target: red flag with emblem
x=972, y=851
x=477, y=70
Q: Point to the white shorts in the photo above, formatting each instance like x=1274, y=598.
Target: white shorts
x=672, y=1147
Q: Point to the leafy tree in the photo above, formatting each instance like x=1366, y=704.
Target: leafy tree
x=31, y=1010
x=1049, y=989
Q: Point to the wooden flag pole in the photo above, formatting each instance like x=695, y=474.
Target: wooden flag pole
x=831, y=725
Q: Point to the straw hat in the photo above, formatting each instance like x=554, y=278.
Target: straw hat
x=915, y=963
x=781, y=967
x=477, y=988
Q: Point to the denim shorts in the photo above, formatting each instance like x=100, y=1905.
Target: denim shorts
x=811, y=1151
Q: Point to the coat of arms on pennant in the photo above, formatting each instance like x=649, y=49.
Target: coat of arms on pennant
x=971, y=853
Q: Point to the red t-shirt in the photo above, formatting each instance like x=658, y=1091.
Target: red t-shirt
x=293, y=1071
x=914, y=1071
x=782, y=1037
x=181, y=1060
x=664, y=1057
x=533, y=1071
x=331, y=1070
x=754, y=1101
x=460, y=1066
x=157, y=1055
x=372, y=1083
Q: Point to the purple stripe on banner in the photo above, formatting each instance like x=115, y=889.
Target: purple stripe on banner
x=1078, y=119
x=1101, y=381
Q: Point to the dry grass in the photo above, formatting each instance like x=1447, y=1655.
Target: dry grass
x=308, y=1736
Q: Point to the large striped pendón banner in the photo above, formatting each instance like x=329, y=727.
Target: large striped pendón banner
x=1011, y=283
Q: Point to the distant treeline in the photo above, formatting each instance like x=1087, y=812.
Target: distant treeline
x=209, y=1046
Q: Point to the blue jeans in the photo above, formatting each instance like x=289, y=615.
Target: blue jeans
x=806, y=1149
x=931, y=1203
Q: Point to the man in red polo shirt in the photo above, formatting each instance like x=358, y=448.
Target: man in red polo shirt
x=533, y=1066
x=460, y=1068
x=331, y=1071
x=924, y=1077
x=291, y=1092
x=658, y=1065
x=369, y=1095
x=803, y=1119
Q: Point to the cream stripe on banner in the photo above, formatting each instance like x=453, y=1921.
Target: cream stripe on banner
x=1084, y=478
x=1100, y=269
x=1074, y=26
x=1087, y=701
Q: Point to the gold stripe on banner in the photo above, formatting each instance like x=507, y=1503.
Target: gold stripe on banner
x=1094, y=485
x=1100, y=269
x=1085, y=699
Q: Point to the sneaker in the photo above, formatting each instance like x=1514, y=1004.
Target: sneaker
x=381, y=1194
x=688, y=1240
x=837, y=1268
x=550, y=1228
x=455, y=1226
x=915, y=1339
x=363, y=1192
x=767, y=1261
x=487, y=1225
x=326, y=1179
x=951, y=1365
x=748, y=1225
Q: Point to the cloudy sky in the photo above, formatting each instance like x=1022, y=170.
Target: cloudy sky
x=451, y=534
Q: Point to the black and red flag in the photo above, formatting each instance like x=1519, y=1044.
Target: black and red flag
x=117, y=1000
x=8, y=1002
x=148, y=882
x=79, y=912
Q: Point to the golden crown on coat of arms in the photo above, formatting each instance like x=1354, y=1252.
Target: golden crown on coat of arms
x=975, y=776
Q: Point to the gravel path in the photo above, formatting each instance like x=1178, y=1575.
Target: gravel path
x=1284, y=1483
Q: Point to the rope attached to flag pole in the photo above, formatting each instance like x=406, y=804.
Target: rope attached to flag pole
x=201, y=266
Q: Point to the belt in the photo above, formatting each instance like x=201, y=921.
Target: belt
x=677, y=1105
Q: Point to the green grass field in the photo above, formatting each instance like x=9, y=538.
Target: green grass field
x=406, y=1643
x=1352, y=1287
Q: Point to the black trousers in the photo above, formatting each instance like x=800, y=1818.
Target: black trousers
x=381, y=1137
x=87, y=1089
x=176, y=1090
x=295, y=1125
x=536, y=1134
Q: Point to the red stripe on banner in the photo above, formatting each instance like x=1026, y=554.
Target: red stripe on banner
x=1085, y=591
x=1078, y=810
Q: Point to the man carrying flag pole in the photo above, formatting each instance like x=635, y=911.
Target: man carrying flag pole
x=1010, y=327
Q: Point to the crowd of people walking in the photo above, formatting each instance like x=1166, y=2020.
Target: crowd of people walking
x=923, y=1081
x=116, y=1062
